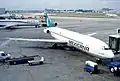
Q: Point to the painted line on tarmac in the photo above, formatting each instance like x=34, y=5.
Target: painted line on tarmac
x=109, y=31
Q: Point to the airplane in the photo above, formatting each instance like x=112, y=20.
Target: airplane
x=12, y=23
x=112, y=15
x=85, y=43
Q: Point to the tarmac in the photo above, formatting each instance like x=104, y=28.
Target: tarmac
x=60, y=65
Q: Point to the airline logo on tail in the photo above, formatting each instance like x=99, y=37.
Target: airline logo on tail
x=49, y=22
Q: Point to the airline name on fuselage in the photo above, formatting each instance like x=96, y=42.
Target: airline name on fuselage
x=79, y=45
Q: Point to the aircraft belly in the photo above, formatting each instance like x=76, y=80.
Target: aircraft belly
x=96, y=55
x=88, y=52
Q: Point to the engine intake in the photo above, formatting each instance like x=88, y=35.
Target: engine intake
x=46, y=31
x=55, y=24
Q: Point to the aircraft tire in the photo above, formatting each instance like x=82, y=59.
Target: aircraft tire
x=44, y=25
x=36, y=26
x=90, y=72
x=14, y=63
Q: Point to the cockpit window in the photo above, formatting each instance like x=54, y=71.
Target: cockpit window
x=104, y=48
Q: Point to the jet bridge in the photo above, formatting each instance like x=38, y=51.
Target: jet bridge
x=114, y=42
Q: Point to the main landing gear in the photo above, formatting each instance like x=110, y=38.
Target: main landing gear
x=58, y=46
x=37, y=26
x=63, y=47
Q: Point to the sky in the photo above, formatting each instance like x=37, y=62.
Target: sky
x=59, y=4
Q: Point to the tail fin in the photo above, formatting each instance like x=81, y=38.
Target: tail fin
x=49, y=22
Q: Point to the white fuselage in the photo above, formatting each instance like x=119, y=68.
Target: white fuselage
x=19, y=22
x=85, y=43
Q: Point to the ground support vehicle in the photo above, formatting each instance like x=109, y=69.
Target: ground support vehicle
x=91, y=67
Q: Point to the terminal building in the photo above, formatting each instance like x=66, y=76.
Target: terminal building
x=2, y=11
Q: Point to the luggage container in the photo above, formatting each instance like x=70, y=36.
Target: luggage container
x=91, y=67
x=36, y=62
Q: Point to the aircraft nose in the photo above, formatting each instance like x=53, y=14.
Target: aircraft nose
x=111, y=55
x=108, y=54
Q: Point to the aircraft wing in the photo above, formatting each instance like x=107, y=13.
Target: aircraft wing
x=39, y=40
x=17, y=23
x=10, y=25
x=91, y=34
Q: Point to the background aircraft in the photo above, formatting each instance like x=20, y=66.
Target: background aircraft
x=12, y=23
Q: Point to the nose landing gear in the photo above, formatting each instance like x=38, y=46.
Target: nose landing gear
x=98, y=60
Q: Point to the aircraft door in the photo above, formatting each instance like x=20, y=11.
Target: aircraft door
x=112, y=43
